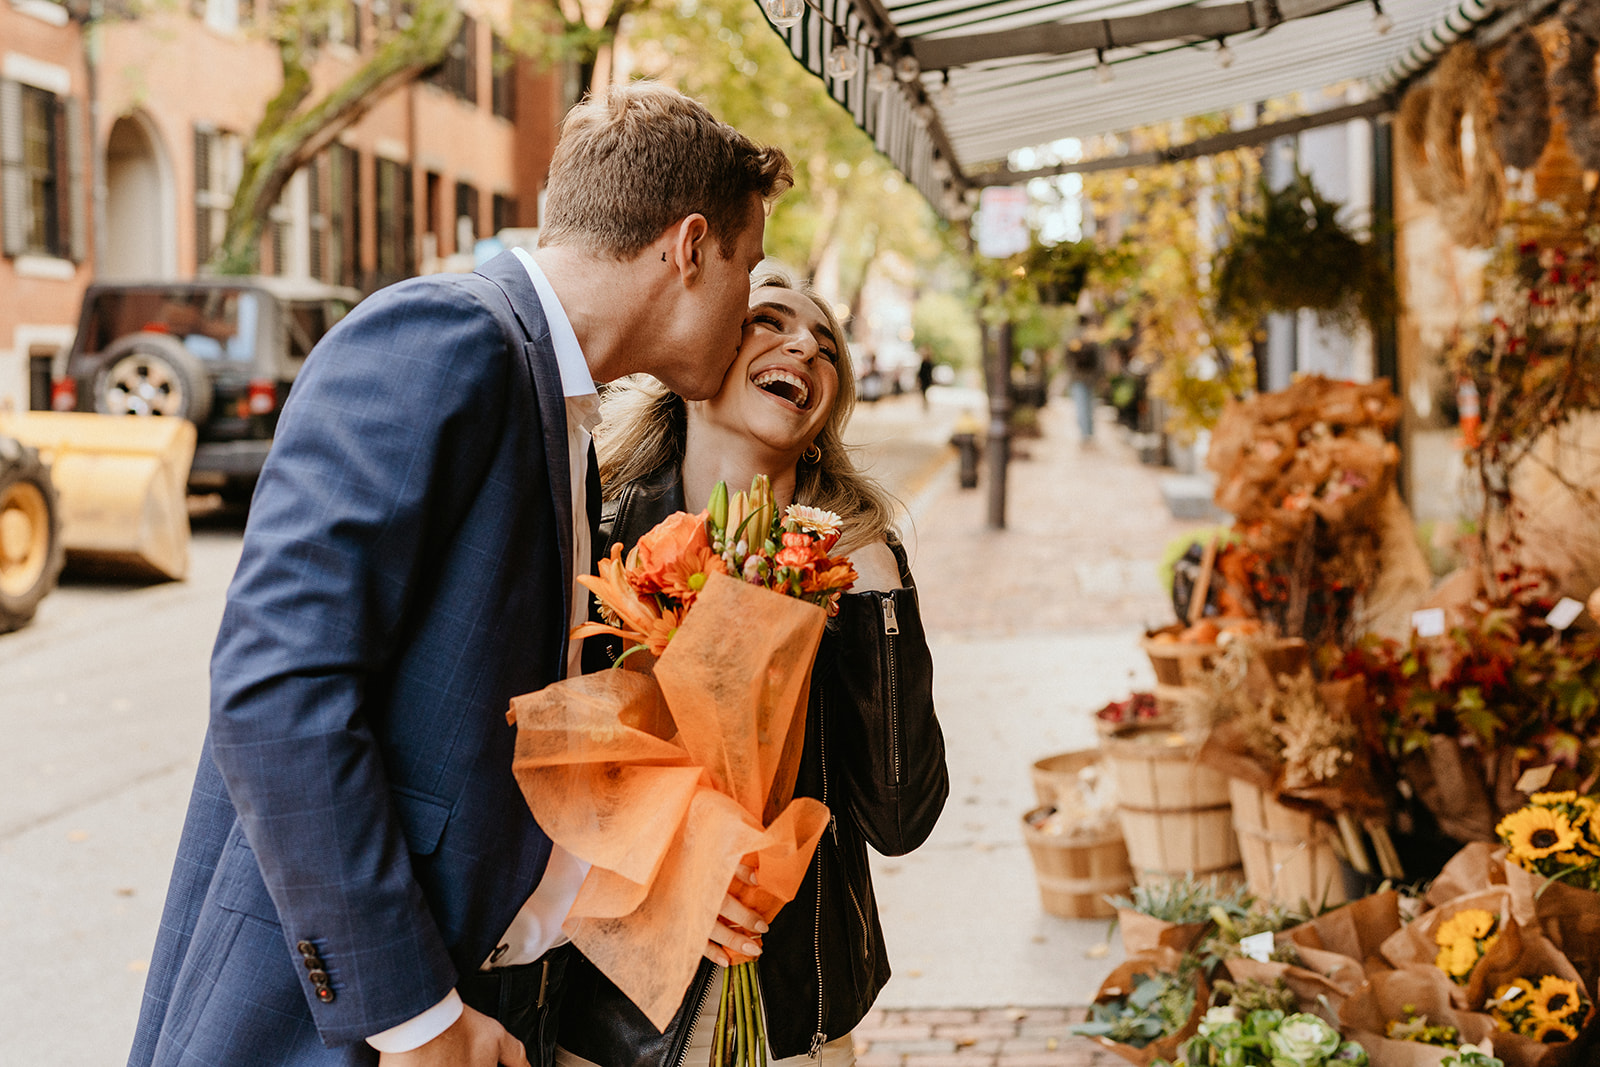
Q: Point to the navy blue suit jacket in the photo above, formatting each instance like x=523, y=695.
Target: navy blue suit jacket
x=405, y=572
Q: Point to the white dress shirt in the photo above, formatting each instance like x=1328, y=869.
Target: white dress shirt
x=537, y=926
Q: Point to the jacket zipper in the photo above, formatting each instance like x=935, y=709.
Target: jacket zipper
x=694, y=1018
x=891, y=629
x=819, y=1038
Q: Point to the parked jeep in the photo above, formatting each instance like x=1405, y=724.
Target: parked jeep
x=222, y=352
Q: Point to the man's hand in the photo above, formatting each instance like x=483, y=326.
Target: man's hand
x=474, y=1040
x=736, y=925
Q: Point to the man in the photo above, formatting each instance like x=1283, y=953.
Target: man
x=359, y=880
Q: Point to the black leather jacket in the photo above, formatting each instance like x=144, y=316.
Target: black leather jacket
x=874, y=754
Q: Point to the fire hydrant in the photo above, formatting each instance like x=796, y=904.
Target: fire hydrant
x=965, y=439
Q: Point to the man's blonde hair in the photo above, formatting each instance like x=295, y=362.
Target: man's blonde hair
x=642, y=157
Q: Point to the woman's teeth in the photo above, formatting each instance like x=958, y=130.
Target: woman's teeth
x=782, y=384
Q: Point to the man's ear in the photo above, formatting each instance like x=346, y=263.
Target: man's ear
x=691, y=243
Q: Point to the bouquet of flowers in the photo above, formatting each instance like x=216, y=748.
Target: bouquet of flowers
x=1548, y=1008
x=1556, y=835
x=668, y=777
x=1463, y=939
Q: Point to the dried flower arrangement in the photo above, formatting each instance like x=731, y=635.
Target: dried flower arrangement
x=1522, y=102
x=1574, y=83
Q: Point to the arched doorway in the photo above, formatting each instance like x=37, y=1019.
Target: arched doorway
x=140, y=235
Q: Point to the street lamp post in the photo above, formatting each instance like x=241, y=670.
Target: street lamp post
x=997, y=373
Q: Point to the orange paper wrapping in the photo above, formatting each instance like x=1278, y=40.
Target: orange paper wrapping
x=1386, y=998
x=666, y=782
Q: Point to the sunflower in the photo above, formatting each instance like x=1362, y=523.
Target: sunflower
x=1566, y=796
x=1555, y=1000
x=1468, y=924
x=1511, y=996
x=1550, y=1032
x=1534, y=833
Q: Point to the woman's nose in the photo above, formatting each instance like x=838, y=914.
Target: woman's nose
x=803, y=343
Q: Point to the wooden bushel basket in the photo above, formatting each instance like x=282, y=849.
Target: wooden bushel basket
x=1055, y=774
x=1286, y=858
x=1077, y=872
x=1175, y=813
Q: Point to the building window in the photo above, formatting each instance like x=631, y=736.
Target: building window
x=41, y=173
x=344, y=215
x=432, y=214
x=396, y=231
x=503, y=87
x=458, y=72
x=218, y=161
x=466, y=217
x=505, y=212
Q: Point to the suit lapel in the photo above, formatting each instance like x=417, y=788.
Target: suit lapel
x=539, y=353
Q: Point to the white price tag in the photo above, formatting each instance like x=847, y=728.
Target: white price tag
x=1258, y=946
x=1429, y=622
x=1564, y=613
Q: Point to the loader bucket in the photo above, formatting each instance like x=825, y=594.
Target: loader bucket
x=122, y=483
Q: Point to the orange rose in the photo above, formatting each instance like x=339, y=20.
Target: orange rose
x=661, y=550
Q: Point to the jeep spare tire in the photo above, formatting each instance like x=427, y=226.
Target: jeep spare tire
x=152, y=374
x=31, y=550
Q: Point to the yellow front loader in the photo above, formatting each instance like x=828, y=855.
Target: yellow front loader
x=122, y=487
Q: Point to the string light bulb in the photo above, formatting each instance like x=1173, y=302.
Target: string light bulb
x=907, y=69
x=784, y=13
x=1381, y=22
x=1102, y=70
x=842, y=59
x=1225, y=56
x=881, y=76
x=940, y=168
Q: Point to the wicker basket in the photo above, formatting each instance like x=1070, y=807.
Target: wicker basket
x=1076, y=873
x=1175, y=814
x=1180, y=665
x=1287, y=859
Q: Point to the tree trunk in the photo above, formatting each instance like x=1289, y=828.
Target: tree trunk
x=287, y=138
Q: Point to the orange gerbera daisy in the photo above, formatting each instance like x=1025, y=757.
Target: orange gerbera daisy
x=629, y=615
x=686, y=575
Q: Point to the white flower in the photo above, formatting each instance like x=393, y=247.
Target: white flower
x=1218, y=1017
x=824, y=523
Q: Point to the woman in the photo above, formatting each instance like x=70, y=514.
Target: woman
x=873, y=753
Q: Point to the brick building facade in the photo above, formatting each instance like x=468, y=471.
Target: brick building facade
x=147, y=143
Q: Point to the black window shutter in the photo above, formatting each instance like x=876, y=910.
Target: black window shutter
x=13, y=178
x=75, y=214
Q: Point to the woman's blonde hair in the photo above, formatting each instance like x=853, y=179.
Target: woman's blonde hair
x=643, y=426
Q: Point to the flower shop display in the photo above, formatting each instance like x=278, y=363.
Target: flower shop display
x=1406, y=1019
x=1463, y=715
x=1556, y=835
x=668, y=776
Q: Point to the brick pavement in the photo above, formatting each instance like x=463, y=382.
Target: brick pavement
x=976, y=1037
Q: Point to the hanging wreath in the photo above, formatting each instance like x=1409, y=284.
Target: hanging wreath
x=1522, y=105
x=1468, y=195
x=1413, y=124
x=1575, y=87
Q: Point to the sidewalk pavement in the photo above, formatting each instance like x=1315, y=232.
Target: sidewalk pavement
x=1032, y=628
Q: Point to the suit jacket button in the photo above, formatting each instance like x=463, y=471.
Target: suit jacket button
x=307, y=948
x=324, y=994
x=318, y=977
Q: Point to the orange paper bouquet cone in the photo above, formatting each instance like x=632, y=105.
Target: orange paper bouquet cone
x=666, y=782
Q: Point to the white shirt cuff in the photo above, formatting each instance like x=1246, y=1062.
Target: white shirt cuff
x=420, y=1029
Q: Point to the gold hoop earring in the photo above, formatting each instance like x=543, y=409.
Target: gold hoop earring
x=812, y=454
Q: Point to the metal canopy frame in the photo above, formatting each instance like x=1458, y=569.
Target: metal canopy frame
x=997, y=76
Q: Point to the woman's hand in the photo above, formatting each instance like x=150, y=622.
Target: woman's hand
x=734, y=925
x=876, y=568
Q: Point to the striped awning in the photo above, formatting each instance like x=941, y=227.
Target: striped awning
x=996, y=76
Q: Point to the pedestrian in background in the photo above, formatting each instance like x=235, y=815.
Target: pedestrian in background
x=1085, y=363
x=925, y=373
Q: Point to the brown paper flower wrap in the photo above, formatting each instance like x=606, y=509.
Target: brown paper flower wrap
x=1143, y=933
x=1536, y=957
x=1321, y=981
x=1366, y=1015
x=666, y=782
x=1120, y=982
x=1479, y=865
x=1415, y=945
x=1355, y=931
x=1567, y=915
